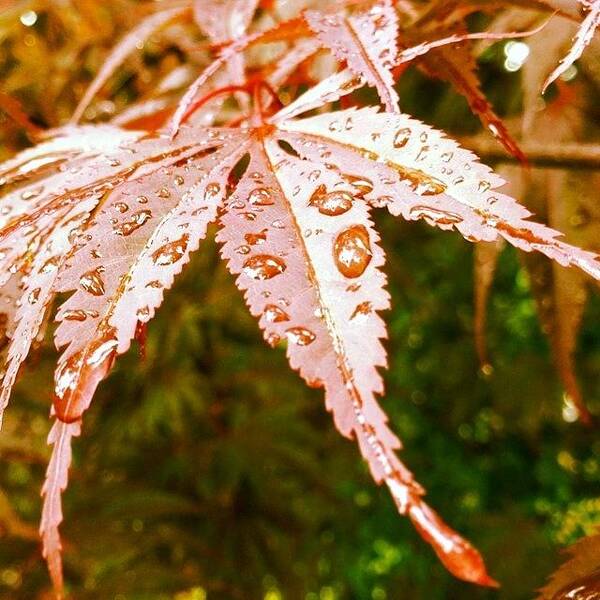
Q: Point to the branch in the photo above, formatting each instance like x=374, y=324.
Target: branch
x=565, y=155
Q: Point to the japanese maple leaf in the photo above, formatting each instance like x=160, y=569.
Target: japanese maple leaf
x=579, y=577
x=582, y=38
x=114, y=222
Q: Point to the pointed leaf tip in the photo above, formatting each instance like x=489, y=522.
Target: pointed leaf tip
x=456, y=553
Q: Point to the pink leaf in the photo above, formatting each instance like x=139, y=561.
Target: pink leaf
x=584, y=36
x=57, y=476
x=366, y=41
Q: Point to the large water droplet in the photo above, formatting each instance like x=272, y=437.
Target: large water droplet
x=274, y=314
x=352, y=251
x=422, y=184
x=261, y=197
x=172, y=252
x=436, y=216
x=92, y=282
x=134, y=222
x=331, y=204
x=263, y=266
x=401, y=137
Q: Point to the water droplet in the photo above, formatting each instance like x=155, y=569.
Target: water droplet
x=172, y=252
x=435, y=215
x=179, y=180
x=362, y=311
x=260, y=197
x=143, y=312
x=212, y=189
x=401, y=137
x=300, y=336
x=314, y=175
x=484, y=186
x=92, y=282
x=263, y=266
x=243, y=249
x=30, y=194
x=34, y=296
x=121, y=207
x=278, y=224
x=255, y=239
x=163, y=193
x=134, y=222
x=352, y=251
x=422, y=184
x=447, y=156
x=50, y=265
x=142, y=199
x=274, y=314
x=362, y=185
x=79, y=314
x=331, y=204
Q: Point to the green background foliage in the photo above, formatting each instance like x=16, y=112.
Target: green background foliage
x=209, y=470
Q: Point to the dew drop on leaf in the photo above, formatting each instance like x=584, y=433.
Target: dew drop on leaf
x=274, y=314
x=331, y=204
x=50, y=265
x=435, y=215
x=255, y=239
x=401, y=137
x=263, y=266
x=121, y=207
x=352, y=251
x=362, y=311
x=172, y=252
x=362, y=185
x=79, y=314
x=134, y=222
x=260, y=197
x=30, y=194
x=34, y=296
x=212, y=189
x=300, y=336
x=92, y=282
